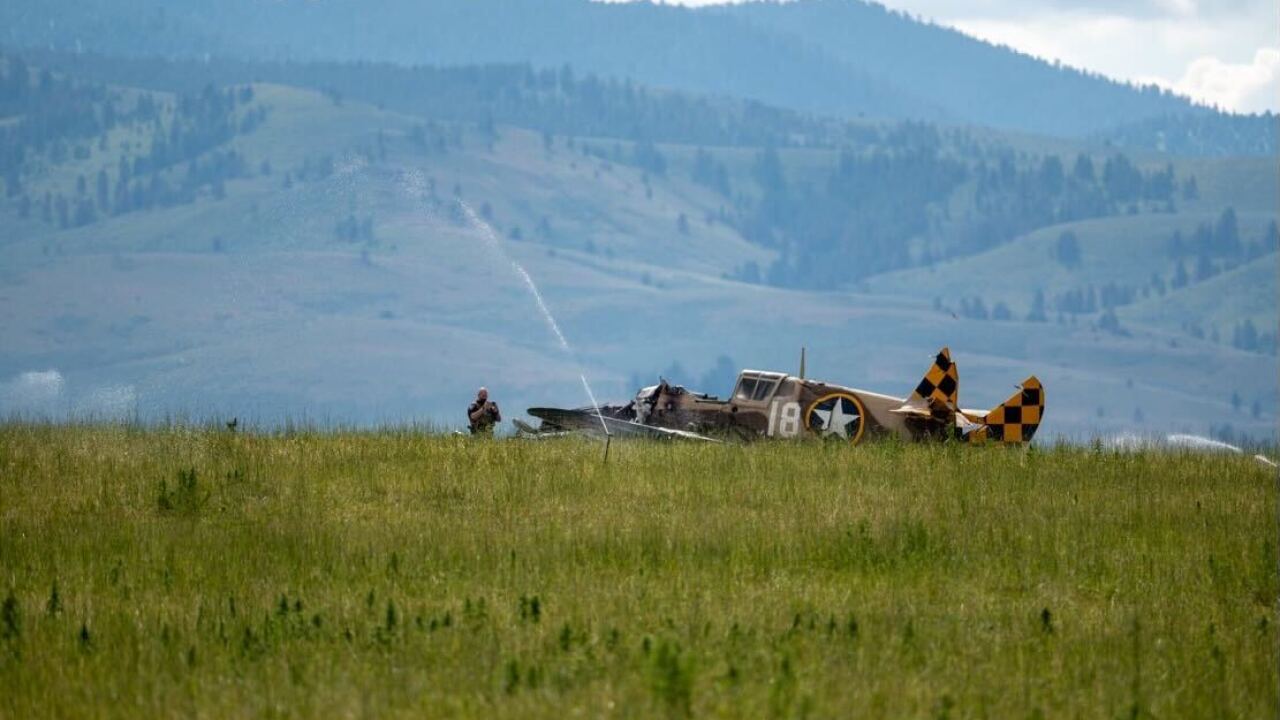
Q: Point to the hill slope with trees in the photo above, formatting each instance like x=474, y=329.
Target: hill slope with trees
x=178, y=229
x=837, y=57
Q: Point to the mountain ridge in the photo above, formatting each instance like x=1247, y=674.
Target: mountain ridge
x=839, y=57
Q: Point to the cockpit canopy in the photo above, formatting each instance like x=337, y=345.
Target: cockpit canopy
x=757, y=385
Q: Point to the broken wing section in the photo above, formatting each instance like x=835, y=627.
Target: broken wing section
x=937, y=396
x=599, y=424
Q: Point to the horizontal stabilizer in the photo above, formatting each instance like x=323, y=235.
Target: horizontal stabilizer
x=1016, y=419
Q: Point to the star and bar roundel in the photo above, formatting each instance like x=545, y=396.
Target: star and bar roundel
x=838, y=415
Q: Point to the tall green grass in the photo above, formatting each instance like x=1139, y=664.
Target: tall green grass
x=156, y=572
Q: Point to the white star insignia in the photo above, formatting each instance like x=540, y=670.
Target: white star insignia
x=835, y=421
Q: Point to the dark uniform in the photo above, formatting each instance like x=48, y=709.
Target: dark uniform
x=482, y=416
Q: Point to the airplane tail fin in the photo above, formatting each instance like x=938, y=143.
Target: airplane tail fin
x=940, y=387
x=1016, y=419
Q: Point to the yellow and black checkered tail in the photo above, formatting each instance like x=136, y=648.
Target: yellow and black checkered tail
x=940, y=387
x=1016, y=420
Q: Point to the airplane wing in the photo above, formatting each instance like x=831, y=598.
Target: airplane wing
x=566, y=418
x=529, y=432
x=588, y=421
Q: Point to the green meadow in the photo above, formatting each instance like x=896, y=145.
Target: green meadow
x=196, y=572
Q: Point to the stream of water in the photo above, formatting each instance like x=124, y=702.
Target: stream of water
x=495, y=245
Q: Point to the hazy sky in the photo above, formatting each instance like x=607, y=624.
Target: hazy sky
x=1225, y=52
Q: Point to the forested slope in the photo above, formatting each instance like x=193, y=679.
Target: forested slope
x=841, y=57
x=185, y=239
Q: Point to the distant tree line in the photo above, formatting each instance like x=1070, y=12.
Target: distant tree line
x=1216, y=247
x=1206, y=134
x=890, y=202
x=55, y=118
x=1221, y=241
x=879, y=202
x=558, y=101
x=175, y=152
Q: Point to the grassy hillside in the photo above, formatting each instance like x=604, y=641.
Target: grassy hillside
x=270, y=336
x=336, y=278
x=1247, y=292
x=585, y=200
x=393, y=573
x=1131, y=253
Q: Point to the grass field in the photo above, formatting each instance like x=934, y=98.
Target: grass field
x=190, y=572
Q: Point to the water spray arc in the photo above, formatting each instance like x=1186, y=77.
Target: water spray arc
x=495, y=245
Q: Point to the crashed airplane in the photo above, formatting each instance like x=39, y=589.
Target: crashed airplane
x=777, y=405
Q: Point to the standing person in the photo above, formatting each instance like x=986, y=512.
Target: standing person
x=482, y=415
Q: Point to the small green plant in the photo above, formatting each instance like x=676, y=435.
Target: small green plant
x=54, y=605
x=10, y=618
x=511, y=680
x=943, y=707
x=782, y=691
x=530, y=608
x=185, y=497
x=475, y=614
x=392, y=617
x=672, y=677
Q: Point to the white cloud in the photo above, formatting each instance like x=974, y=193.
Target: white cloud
x=36, y=392
x=1217, y=51
x=1245, y=87
x=1226, y=61
x=44, y=394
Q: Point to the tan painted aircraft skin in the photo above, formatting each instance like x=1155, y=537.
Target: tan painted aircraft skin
x=768, y=404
